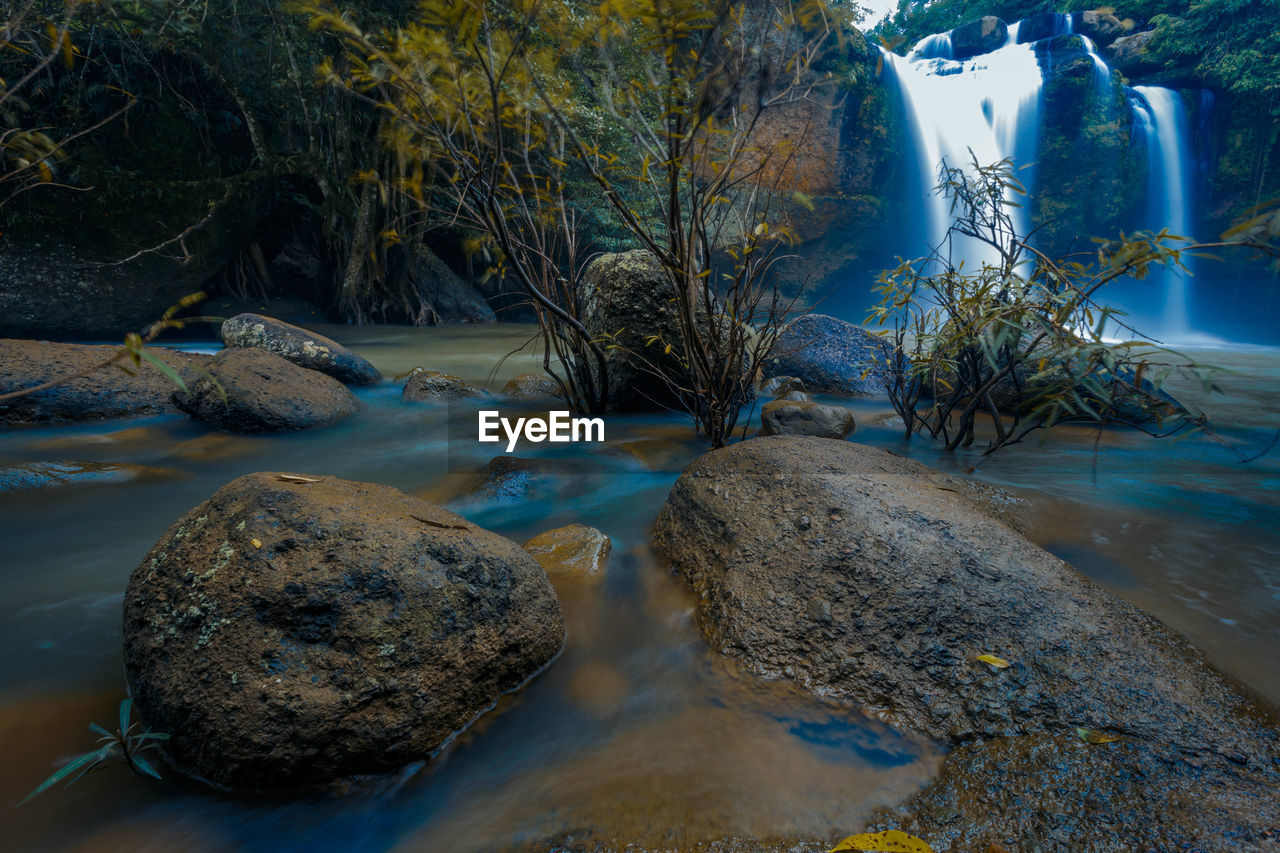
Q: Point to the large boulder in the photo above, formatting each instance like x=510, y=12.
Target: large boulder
x=293, y=630
x=629, y=300
x=830, y=356
x=102, y=392
x=252, y=390
x=984, y=35
x=303, y=348
x=789, y=416
x=868, y=577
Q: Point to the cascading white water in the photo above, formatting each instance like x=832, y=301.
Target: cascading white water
x=1160, y=114
x=987, y=105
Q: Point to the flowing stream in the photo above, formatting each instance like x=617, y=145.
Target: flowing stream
x=637, y=732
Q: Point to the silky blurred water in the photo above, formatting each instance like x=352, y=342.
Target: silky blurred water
x=637, y=731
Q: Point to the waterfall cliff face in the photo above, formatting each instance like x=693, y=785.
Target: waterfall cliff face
x=992, y=106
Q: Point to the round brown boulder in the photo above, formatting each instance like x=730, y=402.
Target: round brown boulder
x=295, y=630
x=303, y=348
x=253, y=390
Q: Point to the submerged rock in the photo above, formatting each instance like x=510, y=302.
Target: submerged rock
x=786, y=416
x=303, y=348
x=252, y=390
x=868, y=577
x=47, y=475
x=430, y=386
x=830, y=356
x=106, y=392
x=574, y=551
x=295, y=630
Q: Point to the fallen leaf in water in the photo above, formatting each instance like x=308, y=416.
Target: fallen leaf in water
x=998, y=663
x=1095, y=736
x=294, y=478
x=889, y=841
x=257, y=543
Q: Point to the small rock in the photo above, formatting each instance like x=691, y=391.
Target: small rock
x=576, y=551
x=532, y=386
x=788, y=417
x=779, y=385
x=303, y=348
x=429, y=386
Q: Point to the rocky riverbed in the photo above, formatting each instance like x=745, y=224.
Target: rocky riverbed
x=765, y=697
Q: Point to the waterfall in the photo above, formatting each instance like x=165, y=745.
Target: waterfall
x=1160, y=115
x=988, y=105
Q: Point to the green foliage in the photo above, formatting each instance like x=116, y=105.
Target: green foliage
x=1022, y=342
x=127, y=743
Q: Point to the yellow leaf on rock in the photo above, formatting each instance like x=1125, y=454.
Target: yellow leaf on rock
x=998, y=663
x=257, y=543
x=1095, y=736
x=889, y=841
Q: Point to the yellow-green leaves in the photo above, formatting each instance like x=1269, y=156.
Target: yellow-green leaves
x=889, y=841
x=993, y=661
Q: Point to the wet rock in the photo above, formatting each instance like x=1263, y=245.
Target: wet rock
x=780, y=385
x=47, y=475
x=1132, y=54
x=251, y=390
x=303, y=348
x=865, y=576
x=984, y=35
x=532, y=386
x=854, y=525
x=830, y=356
x=446, y=298
x=107, y=392
x=430, y=386
x=628, y=296
x=575, y=551
x=292, y=630
x=791, y=417
x=510, y=479
x=1054, y=791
